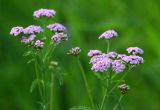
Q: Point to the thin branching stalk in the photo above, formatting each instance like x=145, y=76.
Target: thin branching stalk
x=106, y=95
x=49, y=53
x=51, y=91
x=124, y=75
x=86, y=83
x=119, y=100
x=38, y=79
x=108, y=45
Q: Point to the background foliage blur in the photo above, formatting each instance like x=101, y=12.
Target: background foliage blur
x=137, y=22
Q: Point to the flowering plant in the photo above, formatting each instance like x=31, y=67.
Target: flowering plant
x=40, y=49
x=107, y=66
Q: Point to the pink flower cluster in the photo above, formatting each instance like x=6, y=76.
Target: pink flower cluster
x=58, y=37
x=57, y=27
x=44, y=13
x=117, y=62
x=108, y=34
x=101, y=62
x=15, y=31
x=60, y=32
x=28, y=35
x=32, y=29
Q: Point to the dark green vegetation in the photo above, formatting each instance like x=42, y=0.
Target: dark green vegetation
x=137, y=22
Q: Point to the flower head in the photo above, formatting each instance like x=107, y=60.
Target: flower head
x=32, y=29
x=57, y=27
x=118, y=66
x=133, y=59
x=108, y=34
x=120, y=56
x=15, y=31
x=44, y=13
x=74, y=51
x=25, y=40
x=58, y=37
x=92, y=53
x=135, y=50
x=97, y=58
x=29, y=39
x=112, y=54
x=39, y=44
x=102, y=66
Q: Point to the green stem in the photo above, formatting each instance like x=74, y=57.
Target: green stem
x=108, y=82
x=106, y=95
x=51, y=92
x=119, y=100
x=124, y=75
x=108, y=46
x=38, y=78
x=86, y=84
x=49, y=53
x=44, y=21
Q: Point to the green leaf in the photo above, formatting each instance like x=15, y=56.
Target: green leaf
x=80, y=108
x=42, y=82
x=101, y=76
x=33, y=85
x=27, y=53
x=31, y=60
x=60, y=77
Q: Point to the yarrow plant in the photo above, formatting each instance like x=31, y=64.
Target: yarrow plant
x=40, y=49
x=107, y=66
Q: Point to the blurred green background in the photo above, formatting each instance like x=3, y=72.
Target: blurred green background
x=137, y=22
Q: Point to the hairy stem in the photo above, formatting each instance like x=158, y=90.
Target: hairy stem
x=119, y=100
x=86, y=84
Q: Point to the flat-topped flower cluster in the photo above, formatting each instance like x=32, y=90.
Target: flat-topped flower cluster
x=29, y=34
x=101, y=62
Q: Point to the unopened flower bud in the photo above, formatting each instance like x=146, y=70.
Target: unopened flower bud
x=74, y=51
x=123, y=88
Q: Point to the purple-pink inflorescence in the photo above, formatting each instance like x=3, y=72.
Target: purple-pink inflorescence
x=112, y=54
x=97, y=58
x=15, y=31
x=92, y=53
x=32, y=29
x=44, y=13
x=29, y=35
x=25, y=40
x=39, y=44
x=133, y=59
x=108, y=34
x=28, y=40
x=58, y=37
x=135, y=50
x=118, y=66
x=102, y=66
x=101, y=62
x=57, y=27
